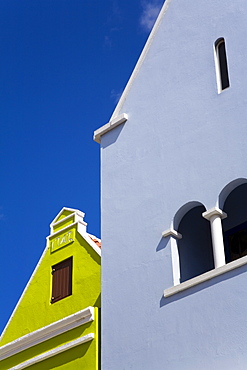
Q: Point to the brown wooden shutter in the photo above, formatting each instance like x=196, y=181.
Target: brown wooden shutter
x=62, y=280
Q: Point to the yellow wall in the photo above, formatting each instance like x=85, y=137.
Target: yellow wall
x=85, y=356
x=35, y=309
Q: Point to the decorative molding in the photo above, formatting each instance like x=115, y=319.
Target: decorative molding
x=61, y=230
x=74, y=211
x=109, y=126
x=54, y=352
x=171, y=232
x=215, y=211
x=47, y=332
x=62, y=241
x=82, y=231
x=77, y=218
x=62, y=220
x=206, y=276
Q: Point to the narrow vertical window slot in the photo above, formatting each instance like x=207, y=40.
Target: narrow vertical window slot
x=221, y=65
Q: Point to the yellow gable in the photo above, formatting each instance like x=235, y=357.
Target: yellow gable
x=67, y=243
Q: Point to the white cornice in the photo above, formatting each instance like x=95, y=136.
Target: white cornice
x=47, y=332
x=77, y=218
x=61, y=230
x=54, y=352
x=109, y=126
x=72, y=210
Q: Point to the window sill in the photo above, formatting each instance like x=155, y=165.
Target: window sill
x=206, y=276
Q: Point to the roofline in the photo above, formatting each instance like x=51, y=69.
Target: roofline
x=116, y=113
x=24, y=291
x=84, y=235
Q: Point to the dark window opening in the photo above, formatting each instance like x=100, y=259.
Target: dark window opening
x=235, y=224
x=236, y=242
x=61, y=280
x=220, y=49
x=195, y=248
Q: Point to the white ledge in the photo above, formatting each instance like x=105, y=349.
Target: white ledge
x=206, y=276
x=61, y=230
x=75, y=215
x=214, y=212
x=171, y=232
x=54, y=352
x=109, y=126
x=47, y=332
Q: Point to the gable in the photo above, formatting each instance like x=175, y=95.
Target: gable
x=35, y=308
x=176, y=72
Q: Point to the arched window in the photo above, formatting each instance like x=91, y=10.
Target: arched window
x=235, y=225
x=221, y=65
x=195, y=248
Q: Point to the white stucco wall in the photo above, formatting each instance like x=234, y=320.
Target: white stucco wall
x=182, y=142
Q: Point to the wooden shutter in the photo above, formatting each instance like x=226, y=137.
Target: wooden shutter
x=62, y=280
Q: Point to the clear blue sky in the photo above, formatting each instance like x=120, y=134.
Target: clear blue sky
x=63, y=65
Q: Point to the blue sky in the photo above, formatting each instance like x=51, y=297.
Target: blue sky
x=63, y=66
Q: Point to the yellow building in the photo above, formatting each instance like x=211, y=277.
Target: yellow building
x=56, y=321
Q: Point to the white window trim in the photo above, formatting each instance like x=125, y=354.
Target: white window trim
x=217, y=65
x=217, y=70
x=174, y=251
x=47, y=332
x=205, y=277
x=54, y=352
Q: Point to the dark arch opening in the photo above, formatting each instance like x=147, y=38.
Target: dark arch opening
x=195, y=247
x=225, y=192
x=235, y=225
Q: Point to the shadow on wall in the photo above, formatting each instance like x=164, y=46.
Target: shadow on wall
x=197, y=288
x=97, y=303
x=64, y=358
x=111, y=136
x=162, y=244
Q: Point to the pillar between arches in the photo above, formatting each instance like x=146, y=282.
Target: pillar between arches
x=214, y=215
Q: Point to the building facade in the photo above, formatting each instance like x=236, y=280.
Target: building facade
x=56, y=323
x=174, y=194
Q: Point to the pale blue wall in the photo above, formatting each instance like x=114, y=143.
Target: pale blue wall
x=183, y=142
